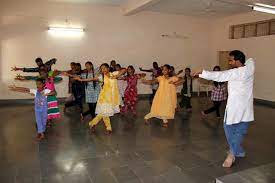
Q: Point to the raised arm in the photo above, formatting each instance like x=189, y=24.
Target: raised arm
x=181, y=71
x=51, y=62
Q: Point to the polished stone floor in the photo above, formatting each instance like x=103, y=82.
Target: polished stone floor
x=190, y=150
x=259, y=174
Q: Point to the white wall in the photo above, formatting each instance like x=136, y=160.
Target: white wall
x=132, y=40
x=260, y=48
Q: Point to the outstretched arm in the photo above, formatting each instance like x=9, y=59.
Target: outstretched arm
x=56, y=73
x=149, y=82
x=145, y=70
x=236, y=74
x=178, y=82
x=34, y=69
x=25, y=78
x=141, y=76
x=120, y=73
x=85, y=80
x=19, y=89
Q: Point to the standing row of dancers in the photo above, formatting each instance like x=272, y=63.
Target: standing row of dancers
x=106, y=97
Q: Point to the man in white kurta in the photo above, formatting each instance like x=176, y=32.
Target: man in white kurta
x=239, y=109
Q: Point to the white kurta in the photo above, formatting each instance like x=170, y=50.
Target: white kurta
x=239, y=106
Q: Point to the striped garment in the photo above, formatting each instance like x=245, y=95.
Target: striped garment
x=53, y=110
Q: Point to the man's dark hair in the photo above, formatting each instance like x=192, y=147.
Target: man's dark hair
x=38, y=60
x=238, y=55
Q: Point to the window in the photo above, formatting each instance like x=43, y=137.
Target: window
x=272, y=27
x=263, y=29
x=250, y=30
x=255, y=29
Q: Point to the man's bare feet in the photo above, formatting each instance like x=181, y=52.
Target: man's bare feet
x=228, y=162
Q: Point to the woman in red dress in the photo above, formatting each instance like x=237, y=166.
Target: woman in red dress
x=130, y=94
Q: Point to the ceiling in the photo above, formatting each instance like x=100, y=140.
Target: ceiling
x=205, y=7
x=102, y=2
x=201, y=8
x=187, y=7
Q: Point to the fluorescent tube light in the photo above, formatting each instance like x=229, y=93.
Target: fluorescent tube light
x=66, y=31
x=263, y=9
x=265, y=5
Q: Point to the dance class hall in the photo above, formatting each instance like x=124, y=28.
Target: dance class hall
x=137, y=91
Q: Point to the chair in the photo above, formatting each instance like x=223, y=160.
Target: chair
x=204, y=86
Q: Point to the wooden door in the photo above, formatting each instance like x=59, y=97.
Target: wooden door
x=223, y=59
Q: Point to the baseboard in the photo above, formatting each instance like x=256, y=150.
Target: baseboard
x=266, y=103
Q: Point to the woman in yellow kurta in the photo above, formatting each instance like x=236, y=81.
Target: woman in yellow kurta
x=165, y=100
x=109, y=98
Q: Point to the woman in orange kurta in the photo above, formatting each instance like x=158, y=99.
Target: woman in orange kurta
x=165, y=100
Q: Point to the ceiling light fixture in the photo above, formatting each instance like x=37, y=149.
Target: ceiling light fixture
x=264, y=9
x=66, y=31
x=265, y=5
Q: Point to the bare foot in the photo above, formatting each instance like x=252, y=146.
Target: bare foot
x=108, y=132
x=228, y=162
x=203, y=114
x=147, y=122
x=81, y=117
x=40, y=136
x=92, y=129
x=165, y=125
